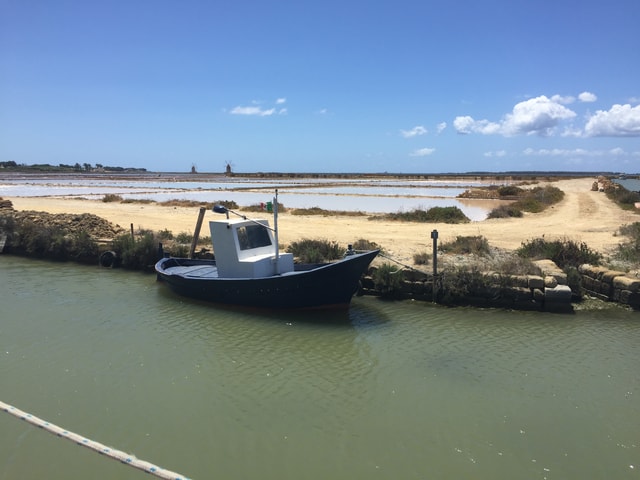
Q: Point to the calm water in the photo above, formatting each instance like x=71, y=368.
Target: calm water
x=385, y=390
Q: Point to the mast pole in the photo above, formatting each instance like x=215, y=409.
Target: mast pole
x=275, y=229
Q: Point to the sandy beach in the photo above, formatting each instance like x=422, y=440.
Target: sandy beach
x=582, y=216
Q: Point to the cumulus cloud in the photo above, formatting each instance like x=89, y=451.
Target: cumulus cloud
x=415, y=131
x=441, y=126
x=619, y=121
x=540, y=115
x=536, y=115
x=587, y=97
x=422, y=152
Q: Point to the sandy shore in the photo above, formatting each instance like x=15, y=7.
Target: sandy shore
x=583, y=216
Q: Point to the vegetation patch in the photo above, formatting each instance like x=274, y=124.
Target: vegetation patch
x=315, y=251
x=136, y=253
x=323, y=212
x=629, y=251
x=421, y=258
x=433, y=215
x=624, y=198
x=30, y=235
x=144, y=201
x=387, y=279
x=505, y=211
x=363, y=245
x=534, y=200
x=476, y=245
x=111, y=197
x=564, y=253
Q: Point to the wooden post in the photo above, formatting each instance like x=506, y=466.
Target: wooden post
x=132, y=236
x=196, y=234
x=434, y=236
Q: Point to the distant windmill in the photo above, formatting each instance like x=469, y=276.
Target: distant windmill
x=193, y=168
x=228, y=171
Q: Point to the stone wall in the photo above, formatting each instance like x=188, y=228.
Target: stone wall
x=548, y=292
x=611, y=285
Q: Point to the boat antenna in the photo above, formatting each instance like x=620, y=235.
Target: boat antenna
x=227, y=211
x=275, y=230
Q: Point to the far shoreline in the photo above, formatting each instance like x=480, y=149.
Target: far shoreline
x=583, y=215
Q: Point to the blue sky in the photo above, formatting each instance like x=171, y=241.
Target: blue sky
x=332, y=86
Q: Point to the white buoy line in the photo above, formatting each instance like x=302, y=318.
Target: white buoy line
x=123, y=457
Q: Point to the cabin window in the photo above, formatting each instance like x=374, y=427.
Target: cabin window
x=253, y=236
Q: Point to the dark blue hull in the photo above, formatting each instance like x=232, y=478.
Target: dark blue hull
x=309, y=286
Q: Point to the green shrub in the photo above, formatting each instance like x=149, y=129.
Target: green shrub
x=362, y=245
x=421, y=258
x=529, y=204
x=184, y=237
x=387, y=279
x=433, y=215
x=84, y=248
x=136, y=253
x=515, y=265
x=315, y=251
x=564, y=253
x=462, y=283
x=629, y=251
x=477, y=245
x=505, y=211
x=165, y=234
x=623, y=197
x=322, y=211
x=111, y=197
x=510, y=191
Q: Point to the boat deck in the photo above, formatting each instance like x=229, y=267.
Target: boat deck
x=194, y=271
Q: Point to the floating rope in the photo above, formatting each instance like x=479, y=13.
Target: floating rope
x=403, y=265
x=123, y=457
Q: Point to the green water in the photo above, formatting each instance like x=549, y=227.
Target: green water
x=402, y=390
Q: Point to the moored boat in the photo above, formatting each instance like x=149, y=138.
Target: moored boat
x=249, y=270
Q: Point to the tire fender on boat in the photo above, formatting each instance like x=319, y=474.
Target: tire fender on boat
x=108, y=259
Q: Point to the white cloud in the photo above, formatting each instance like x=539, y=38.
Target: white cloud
x=563, y=100
x=422, y=152
x=619, y=121
x=256, y=110
x=415, y=131
x=498, y=153
x=538, y=115
x=587, y=97
x=441, y=126
x=467, y=124
x=575, y=152
x=253, y=111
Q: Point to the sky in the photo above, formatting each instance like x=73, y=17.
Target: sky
x=403, y=86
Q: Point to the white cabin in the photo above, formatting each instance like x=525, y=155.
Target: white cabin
x=247, y=249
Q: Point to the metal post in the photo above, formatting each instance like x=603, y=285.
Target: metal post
x=434, y=236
